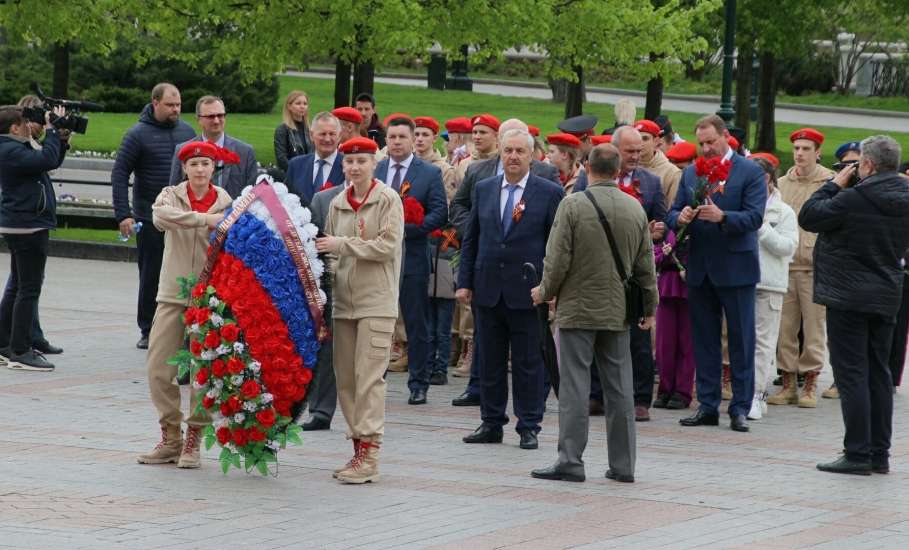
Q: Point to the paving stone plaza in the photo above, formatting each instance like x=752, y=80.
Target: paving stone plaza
x=69, y=478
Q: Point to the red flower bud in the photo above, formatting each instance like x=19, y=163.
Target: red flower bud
x=223, y=435
x=255, y=434
x=250, y=389
x=230, y=332
x=212, y=339
x=239, y=436
x=208, y=402
x=195, y=347
x=234, y=404
x=199, y=290
x=235, y=366
x=218, y=368
x=202, y=376
x=266, y=417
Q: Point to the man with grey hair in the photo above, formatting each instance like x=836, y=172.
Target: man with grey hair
x=212, y=117
x=320, y=170
x=508, y=227
x=863, y=235
x=581, y=273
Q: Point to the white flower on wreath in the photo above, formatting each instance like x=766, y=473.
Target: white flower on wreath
x=267, y=398
x=239, y=418
x=223, y=350
x=212, y=393
x=255, y=366
x=249, y=406
x=218, y=383
x=236, y=379
x=194, y=328
x=216, y=319
x=209, y=354
x=239, y=347
x=213, y=302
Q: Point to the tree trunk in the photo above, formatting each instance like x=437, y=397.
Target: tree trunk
x=559, y=90
x=61, y=70
x=766, y=126
x=654, y=98
x=342, y=83
x=743, y=89
x=574, y=99
x=364, y=79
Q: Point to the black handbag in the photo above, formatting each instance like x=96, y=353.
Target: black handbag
x=634, y=294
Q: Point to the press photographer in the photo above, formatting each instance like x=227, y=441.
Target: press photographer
x=863, y=234
x=27, y=213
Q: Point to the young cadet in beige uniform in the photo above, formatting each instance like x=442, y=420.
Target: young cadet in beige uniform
x=186, y=213
x=364, y=238
x=425, y=134
x=655, y=161
x=564, y=151
x=799, y=309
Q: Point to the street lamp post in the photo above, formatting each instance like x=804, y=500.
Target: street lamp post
x=726, y=111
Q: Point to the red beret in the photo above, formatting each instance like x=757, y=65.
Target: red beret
x=348, y=114
x=734, y=143
x=600, y=140
x=358, y=145
x=649, y=127
x=393, y=116
x=683, y=151
x=566, y=140
x=485, y=120
x=534, y=131
x=769, y=157
x=808, y=133
x=195, y=149
x=427, y=122
x=458, y=125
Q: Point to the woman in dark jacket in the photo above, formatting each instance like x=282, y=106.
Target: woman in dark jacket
x=292, y=136
x=27, y=214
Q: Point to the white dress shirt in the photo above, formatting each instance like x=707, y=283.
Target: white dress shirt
x=519, y=192
x=326, y=168
x=405, y=166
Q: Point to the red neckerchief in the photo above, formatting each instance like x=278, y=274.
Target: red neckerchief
x=354, y=203
x=204, y=204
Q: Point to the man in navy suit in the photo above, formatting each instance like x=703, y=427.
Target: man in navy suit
x=508, y=227
x=412, y=177
x=308, y=174
x=723, y=269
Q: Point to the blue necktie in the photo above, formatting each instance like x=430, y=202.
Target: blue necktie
x=320, y=178
x=507, y=214
x=396, y=181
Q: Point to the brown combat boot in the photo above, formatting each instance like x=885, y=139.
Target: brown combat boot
x=167, y=450
x=726, y=394
x=356, y=446
x=831, y=392
x=456, y=345
x=463, y=369
x=788, y=394
x=399, y=364
x=365, y=466
x=190, y=458
x=808, y=399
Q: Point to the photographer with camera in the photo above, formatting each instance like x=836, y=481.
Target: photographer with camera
x=27, y=214
x=863, y=231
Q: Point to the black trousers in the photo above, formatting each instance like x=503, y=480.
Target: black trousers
x=859, y=346
x=900, y=332
x=28, y=256
x=150, y=246
x=641, y=366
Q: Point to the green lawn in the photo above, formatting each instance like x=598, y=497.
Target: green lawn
x=106, y=129
x=107, y=236
x=900, y=104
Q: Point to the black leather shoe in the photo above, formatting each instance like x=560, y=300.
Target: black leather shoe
x=417, y=397
x=142, y=343
x=661, y=401
x=554, y=474
x=316, y=423
x=843, y=465
x=466, y=400
x=438, y=379
x=880, y=464
x=676, y=403
x=738, y=423
x=529, y=440
x=485, y=434
x=46, y=347
x=624, y=478
x=595, y=408
x=700, y=418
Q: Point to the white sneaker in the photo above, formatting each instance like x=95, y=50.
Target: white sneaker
x=757, y=411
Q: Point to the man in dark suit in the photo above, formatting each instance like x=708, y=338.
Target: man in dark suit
x=308, y=174
x=723, y=269
x=648, y=190
x=460, y=214
x=412, y=177
x=212, y=117
x=508, y=227
x=323, y=397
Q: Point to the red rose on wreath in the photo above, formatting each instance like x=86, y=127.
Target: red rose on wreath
x=413, y=211
x=233, y=404
x=235, y=366
x=198, y=290
x=230, y=332
x=212, y=339
x=255, y=434
x=218, y=368
x=208, y=402
x=239, y=436
x=195, y=347
x=223, y=435
x=266, y=417
x=250, y=389
x=189, y=317
x=202, y=376
x=225, y=409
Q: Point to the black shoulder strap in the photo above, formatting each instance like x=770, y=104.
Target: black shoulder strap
x=620, y=266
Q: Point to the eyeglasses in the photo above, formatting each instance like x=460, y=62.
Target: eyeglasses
x=213, y=116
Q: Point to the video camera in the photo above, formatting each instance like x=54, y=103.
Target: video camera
x=840, y=166
x=71, y=121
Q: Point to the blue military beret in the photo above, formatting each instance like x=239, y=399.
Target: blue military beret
x=845, y=148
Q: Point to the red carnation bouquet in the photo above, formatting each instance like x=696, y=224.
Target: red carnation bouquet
x=414, y=213
x=712, y=174
x=633, y=190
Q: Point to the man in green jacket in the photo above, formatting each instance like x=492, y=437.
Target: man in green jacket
x=580, y=273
